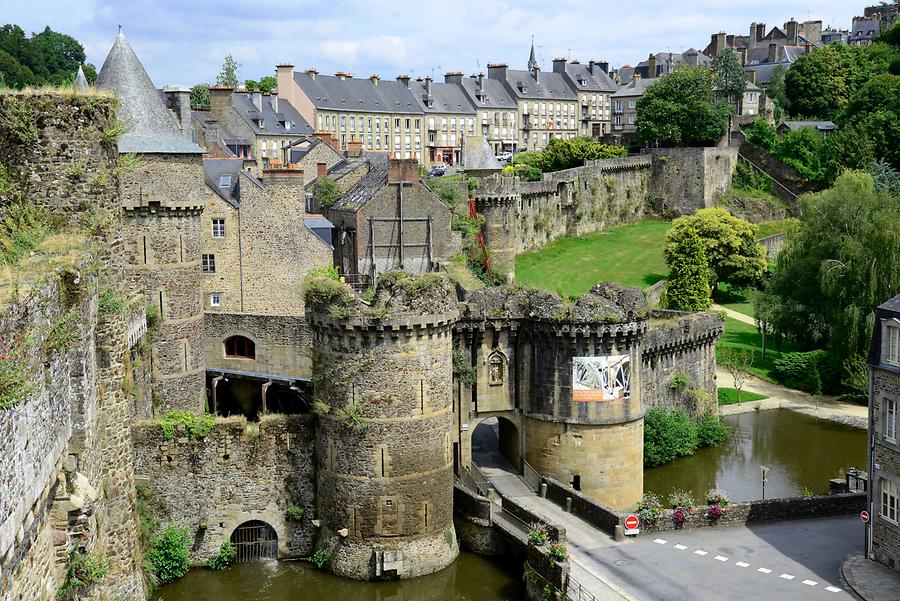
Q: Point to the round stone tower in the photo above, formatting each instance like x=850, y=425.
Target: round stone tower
x=584, y=422
x=382, y=377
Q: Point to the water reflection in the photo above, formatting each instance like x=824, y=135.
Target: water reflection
x=801, y=452
x=470, y=578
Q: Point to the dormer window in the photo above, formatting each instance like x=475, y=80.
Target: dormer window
x=224, y=181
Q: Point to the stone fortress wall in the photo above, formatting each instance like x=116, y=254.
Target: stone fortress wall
x=65, y=452
x=525, y=216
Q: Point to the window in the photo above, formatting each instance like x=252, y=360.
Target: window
x=225, y=180
x=892, y=345
x=218, y=228
x=890, y=419
x=888, y=499
x=215, y=299
x=240, y=347
x=208, y=263
x=632, y=104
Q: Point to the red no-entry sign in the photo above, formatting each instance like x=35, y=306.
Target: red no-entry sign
x=864, y=516
x=631, y=522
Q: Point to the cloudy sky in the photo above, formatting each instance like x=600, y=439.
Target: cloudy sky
x=183, y=42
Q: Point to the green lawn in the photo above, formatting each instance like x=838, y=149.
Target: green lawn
x=629, y=254
x=736, y=300
x=770, y=228
x=742, y=335
x=728, y=396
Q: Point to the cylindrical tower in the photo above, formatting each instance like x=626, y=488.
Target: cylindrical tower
x=584, y=421
x=384, y=451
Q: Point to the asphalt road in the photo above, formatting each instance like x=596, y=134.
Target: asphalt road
x=785, y=561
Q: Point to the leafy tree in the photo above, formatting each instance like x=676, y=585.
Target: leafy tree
x=875, y=110
x=167, y=556
x=47, y=57
x=802, y=150
x=737, y=362
x=732, y=252
x=268, y=84
x=891, y=36
x=843, y=260
x=761, y=133
x=200, y=96
x=564, y=154
x=251, y=85
x=886, y=178
x=228, y=75
x=732, y=81
x=777, y=92
x=326, y=192
x=687, y=287
x=681, y=109
x=847, y=148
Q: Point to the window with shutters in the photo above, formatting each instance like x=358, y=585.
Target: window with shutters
x=889, y=495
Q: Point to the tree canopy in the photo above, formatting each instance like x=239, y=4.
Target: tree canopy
x=228, y=75
x=562, y=154
x=875, y=111
x=681, y=109
x=732, y=81
x=265, y=85
x=687, y=287
x=843, y=260
x=200, y=96
x=732, y=252
x=47, y=57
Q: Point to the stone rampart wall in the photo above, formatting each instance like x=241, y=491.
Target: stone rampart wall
x=238, y=472
x=687, y=179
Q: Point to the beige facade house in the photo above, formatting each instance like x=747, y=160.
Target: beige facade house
x=496, y=116
x=448, y=117
x=594, y=87
x=371, y=115
x=624, y=104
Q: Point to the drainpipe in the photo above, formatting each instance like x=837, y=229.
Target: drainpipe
x=870, y=485
x=265, y=388
x=215, y=383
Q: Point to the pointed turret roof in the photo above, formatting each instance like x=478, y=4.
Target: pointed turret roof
x=532, y=62
x=81, y=83
x=151, y=128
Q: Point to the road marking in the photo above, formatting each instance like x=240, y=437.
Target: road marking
x=832, y=589
x=764, y=570
x=700, y=552
x=660, y=541
x=786, y=577
x=741, y=564
x=810, y=582
x=680, y=547
x=720, y=558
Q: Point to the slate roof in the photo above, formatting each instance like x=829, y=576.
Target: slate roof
x=819, y=125
x=766, y=73
x=151, y=128
x=446, y=98
x=593, y=82
x=477, y=155
x=637, y=87
x=550, y=86
x=492, y=95
x=328, y=92
x=861, y=29
x=361, y=193
x=886, y=310
x=214, y=169
x=245, y=107
x=81, y=83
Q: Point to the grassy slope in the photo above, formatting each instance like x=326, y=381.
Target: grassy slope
x=629, y=254
x=742, y=335
x=728, y=396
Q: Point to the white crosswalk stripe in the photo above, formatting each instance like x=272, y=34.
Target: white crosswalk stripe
x=700, y=552
x=720, y=558
x=810, y=582
x=660, y=541
x=680, y=547
x=832, y=589
x=764, y=570
x=786, y=577
x=742, y=564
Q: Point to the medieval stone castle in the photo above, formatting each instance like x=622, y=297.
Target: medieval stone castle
x=357, y=409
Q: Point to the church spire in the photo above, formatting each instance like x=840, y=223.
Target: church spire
x=532, y=61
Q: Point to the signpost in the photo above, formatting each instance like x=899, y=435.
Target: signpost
x=631, y=525
x=864, y=516
x=764, y=471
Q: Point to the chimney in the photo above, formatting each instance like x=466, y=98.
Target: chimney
x=536, y=73
x=403, y=171
x=179, y=101
x=773, y=52
x=497, y=70
x=729, y=41
x=742, y=55
x=750, y=75
x=284, y=75
x=274, y=101
x=343, y=75
x=807, y=48
x=760, y=32
x=404, y=79
x=636, y=77
x=651, y=66
x=481, y=81
x=719, y=40
x=374, y=79
x=692, y=57
x=559, y=65
x=604, y=66
x=455, y=77
x=792, y=29
x=592, y=67
x=257, y=100
x=428, y=86
x=312, y=73
x=219, y=101
x=752, y=33
x=211, y=135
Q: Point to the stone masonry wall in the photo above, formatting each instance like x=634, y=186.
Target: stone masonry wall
x=238, y=472
x=227, y=251
x=687, y=179
x=886, y=460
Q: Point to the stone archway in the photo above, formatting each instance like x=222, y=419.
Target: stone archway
x=495, y=438
x=254, y=540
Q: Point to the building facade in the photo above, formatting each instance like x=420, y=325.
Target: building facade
x=883, y=529
x=496, y=110
x=448, y=117
x=594, y=87
x=624, y=104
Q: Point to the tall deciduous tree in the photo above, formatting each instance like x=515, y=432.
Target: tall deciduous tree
x=200, y=96
x=681, y=109
x=732, y=252
x=687, y=287
x=732, y=81
x=228, y=75
x=47, y=57
x=843, y=261
x=875, y=110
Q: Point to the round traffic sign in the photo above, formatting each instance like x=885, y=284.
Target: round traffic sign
x=864, y=516
x=631, y=522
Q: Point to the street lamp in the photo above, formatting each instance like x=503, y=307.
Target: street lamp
x=763, y=470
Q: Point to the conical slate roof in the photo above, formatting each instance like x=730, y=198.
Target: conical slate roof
x=478, y=156
x=532, y=62
x=81, y=83
x=151, y=128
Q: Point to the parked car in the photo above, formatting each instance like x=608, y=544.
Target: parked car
x=437, y=171
x=504, y=156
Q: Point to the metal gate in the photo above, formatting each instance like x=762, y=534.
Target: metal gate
x=255, y=540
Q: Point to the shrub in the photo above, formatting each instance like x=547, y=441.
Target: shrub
x=714, y=512
x=538, y=534
x=224, y=558
x=714, y=496
x=63, y=334
x=463, y=368
x=352, y=416
x=558, y=553
x=648, y=508
x=197, y=426
x=294, y=513
x=83, y=570
x=319, y=559
x=326, y=192
x=167, y=558
x=711, y=430
x=15, y=382
x=320, y=407
x=111, y=302
x=762, y=134
x=801, y=370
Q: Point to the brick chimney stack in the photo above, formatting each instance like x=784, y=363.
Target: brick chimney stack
x=403, y=171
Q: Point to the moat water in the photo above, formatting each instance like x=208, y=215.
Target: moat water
x=470, y=578
x=802, y=453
